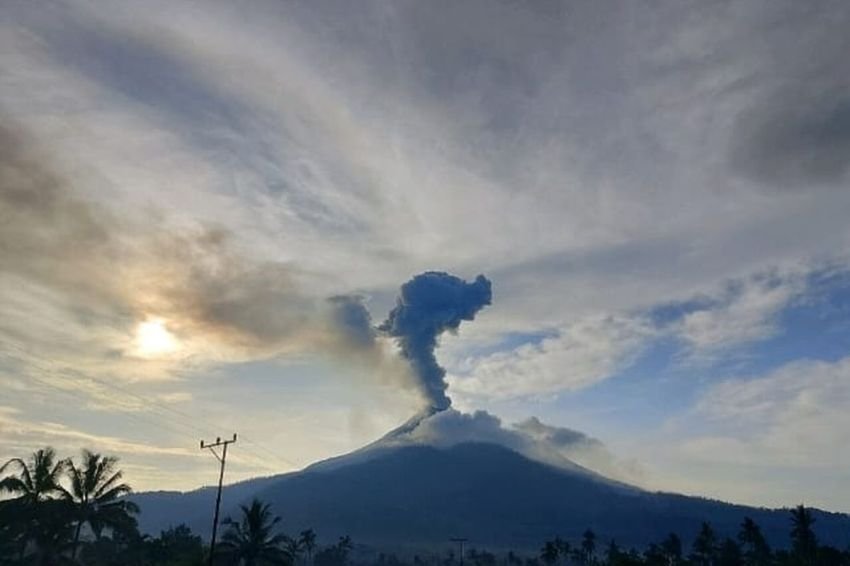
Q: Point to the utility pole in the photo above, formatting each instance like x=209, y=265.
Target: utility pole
x=222, y=459
x=460, y=541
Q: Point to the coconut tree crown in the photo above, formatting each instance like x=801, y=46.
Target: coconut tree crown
x=37, y=479
x=97, y=490
x=252, y=540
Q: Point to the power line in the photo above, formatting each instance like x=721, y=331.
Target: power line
x=186, y=420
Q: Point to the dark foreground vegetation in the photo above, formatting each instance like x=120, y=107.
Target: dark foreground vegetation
x=58, y=511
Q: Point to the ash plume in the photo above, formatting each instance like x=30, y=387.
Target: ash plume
x=428, y=305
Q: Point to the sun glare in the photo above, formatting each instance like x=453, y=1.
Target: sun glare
x=154, y=339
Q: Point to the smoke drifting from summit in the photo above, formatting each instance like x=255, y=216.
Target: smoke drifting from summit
x=428, y=305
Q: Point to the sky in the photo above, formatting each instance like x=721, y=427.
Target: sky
x=192, y=194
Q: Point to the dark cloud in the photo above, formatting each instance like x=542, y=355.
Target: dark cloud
x=46, y=233
x=794, y=131
x=353, y=319
x=429, y=304
x=796, y=141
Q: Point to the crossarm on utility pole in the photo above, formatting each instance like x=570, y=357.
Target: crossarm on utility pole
x=222, y=460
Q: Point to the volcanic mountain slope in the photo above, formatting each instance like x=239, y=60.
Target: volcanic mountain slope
x=418, y=496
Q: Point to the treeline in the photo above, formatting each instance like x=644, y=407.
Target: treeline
x=58, y=512
x=55, y=504
x=748, y=548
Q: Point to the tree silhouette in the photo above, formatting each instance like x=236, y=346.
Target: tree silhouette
x=549, y=553
x=51, y=531
x=803, y=541
x=294, y=547
x=704, y=551
x=337, y=554
x=252, y=541
x=96, y=491
x=756, y=551
x=177, y=546
x=613, y=554
x=654, y=556
x=672, y=549
x=588, y=546
x=729, y=553
x=307, y=538
x=36, y=482
x=563, y=547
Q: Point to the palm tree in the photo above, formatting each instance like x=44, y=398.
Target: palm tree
x=251, y=541
x=51, y=531
x=293, y=547
x=96, y=490
x=37, y=481
x=10, y=531
x=308, y=543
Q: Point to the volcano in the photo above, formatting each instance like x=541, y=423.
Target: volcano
x=395, y=495
x=445, y=474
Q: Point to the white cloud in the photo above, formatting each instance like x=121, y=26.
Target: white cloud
x=21, y=431
x=794, y=416
x=746, y=312
x=776, y=439
x=591, y=160
x=579, y=355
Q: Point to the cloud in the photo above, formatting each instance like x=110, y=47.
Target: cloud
x=25, y=433
x=576, y=356
x=591, y=349
x=22, y=435
x=794, y=416
x=797, y=141
x=595, y=160
x=793, y=136
x=352, y=167
x=66, y=258
x=744, y=312
x=758, y=439
x=561, y=447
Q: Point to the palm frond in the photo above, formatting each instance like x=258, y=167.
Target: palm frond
x=105, y=488
x=11, y=461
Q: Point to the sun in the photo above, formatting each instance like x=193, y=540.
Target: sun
x=153, y=339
